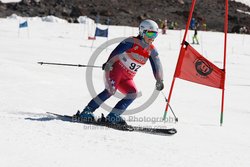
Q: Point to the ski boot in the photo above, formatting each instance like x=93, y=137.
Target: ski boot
x=86, y=115
x=115, y=119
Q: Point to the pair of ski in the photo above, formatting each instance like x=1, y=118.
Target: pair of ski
x=130, y=128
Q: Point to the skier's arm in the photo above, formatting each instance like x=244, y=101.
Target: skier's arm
x=122, y=47
x=157, y=70
x=156, y=65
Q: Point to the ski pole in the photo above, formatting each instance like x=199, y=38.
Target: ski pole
x=64, y=64
x=176, y=119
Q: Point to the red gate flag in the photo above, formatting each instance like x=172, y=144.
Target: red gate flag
x=193, y=67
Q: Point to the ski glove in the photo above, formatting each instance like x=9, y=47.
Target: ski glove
x=107, y=66
x=159, y=85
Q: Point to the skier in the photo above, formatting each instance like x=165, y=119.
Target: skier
x=195, y=37
x=120, y=69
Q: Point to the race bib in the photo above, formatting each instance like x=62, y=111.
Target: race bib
x=131, y=65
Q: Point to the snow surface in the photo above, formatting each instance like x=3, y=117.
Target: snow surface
x=10, y=1
x=247, y=2
x=30, y=137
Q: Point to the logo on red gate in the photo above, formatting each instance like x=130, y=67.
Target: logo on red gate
x=203, y=67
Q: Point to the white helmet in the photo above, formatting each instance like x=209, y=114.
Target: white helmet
x=148, y=25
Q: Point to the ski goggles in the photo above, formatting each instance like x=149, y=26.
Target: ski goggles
x=151, y=34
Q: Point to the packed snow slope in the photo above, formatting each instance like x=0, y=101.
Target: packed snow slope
x=30, y=137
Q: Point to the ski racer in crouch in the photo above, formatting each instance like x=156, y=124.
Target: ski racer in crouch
x=120, y=69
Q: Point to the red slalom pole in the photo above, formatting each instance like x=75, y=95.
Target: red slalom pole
x=182, y=44
x=224, y=62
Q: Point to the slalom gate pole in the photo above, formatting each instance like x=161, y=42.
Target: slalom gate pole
x=176, y=119
x=64, y=64
x=224, y=61
x=182, y=45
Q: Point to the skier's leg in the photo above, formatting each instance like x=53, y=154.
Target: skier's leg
x=193, y=39
x=112, y=79
x=127, y=87
x=95, y=103
x=98, y=100
x=197, y=41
